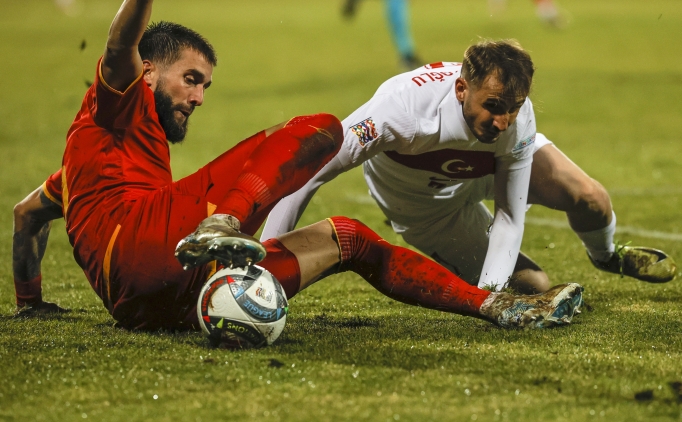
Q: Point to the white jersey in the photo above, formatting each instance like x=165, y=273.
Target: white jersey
x=420, y=159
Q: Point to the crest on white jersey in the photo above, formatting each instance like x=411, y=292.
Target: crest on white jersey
x=366, y=131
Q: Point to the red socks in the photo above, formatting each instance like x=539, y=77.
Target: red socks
x=28, y=291
x=402, y=274
x=283, y=163
x=397, y=272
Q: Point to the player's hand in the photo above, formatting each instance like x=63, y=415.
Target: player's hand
x=39, y=309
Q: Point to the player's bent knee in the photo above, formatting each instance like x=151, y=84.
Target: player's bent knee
x=529, y=281
x=528, y=277
x=325, y=123
x=592, y=197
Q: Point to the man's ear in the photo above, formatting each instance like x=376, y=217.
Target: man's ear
x=461, y=87
x=150, y=73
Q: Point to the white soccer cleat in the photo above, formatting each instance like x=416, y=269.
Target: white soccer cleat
x=557, y=306
x=218, y=238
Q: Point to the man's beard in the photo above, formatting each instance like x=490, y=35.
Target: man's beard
x=165, y=109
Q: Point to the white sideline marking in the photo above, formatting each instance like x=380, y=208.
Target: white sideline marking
x=657, y=191
x=559, y=224
x=361, y=199
x=652, y=234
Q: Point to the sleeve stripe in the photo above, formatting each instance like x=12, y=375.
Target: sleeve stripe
x=50, y=196
x=115, y=91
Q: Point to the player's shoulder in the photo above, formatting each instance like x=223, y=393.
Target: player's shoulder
x=421, y=91
x=526, y=115
x=424, y=79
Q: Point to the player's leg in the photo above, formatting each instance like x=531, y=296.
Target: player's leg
x=349, y=9
x=278, y=166
x=549, y=13
x=339, y=244
x=397, y=12
x=558, y=183
x=212, y=182
x=528, y=278
x=283, y=163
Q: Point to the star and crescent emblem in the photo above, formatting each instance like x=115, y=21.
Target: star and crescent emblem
x=447, y=166
x=451, y=163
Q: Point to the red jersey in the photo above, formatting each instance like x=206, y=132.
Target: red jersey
x=116, y=152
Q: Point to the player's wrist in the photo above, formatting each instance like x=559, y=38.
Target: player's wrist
x=28, y=292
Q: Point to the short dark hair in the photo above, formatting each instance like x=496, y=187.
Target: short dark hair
x=163, y=42
x=505, y=59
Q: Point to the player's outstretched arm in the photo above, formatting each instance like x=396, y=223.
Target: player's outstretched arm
x=121, y=63
x=32, y=221
x=511, y=187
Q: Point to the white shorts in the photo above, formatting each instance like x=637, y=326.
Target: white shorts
x=458, y=240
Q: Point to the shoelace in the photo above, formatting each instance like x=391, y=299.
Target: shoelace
x=620, y=253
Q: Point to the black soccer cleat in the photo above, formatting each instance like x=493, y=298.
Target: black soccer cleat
x=645, y=264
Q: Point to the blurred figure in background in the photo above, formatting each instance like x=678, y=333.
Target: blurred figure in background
x=546, y=10
x=397, y=13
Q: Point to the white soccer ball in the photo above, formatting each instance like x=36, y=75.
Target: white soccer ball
x=242, y=308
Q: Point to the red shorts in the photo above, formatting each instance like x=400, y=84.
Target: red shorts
x=148, y=289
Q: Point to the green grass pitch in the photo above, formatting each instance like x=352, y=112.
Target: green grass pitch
x=607, y=91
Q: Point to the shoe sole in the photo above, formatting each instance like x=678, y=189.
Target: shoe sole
x=235, y=251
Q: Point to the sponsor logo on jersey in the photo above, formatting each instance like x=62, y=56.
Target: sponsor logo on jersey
x=366, y=131
x=523, y=143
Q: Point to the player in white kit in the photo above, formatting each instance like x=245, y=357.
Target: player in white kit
x=436, y=141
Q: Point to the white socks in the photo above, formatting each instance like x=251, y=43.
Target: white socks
x=599, y=243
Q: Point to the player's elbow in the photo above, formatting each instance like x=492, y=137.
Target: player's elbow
x=334, y=129
x=321, y=137
x=333, y=125
x=22, y=213
x=30, y=211
x=325, y=124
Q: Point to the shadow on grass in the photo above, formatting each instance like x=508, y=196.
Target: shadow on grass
x=66, y=317
x=352, y=322
x=426, y=341
x=396, y=342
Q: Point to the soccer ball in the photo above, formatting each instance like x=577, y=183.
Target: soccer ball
x=242, y=308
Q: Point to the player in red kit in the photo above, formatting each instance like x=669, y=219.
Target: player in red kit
x=124, y=214
x=126, y=218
